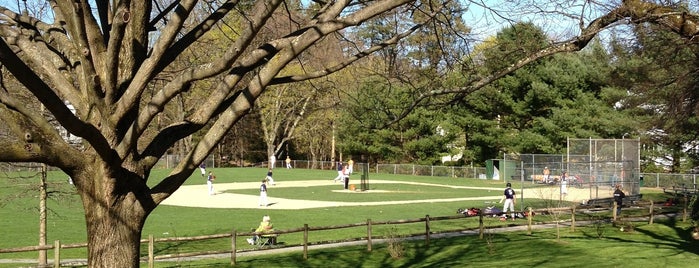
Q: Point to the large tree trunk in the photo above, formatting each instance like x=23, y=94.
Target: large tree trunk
x=116, y=208
x=114, y=234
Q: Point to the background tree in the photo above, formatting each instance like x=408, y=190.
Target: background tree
x=536, y=108
x=280, y=114
x=659, y=69
x=106, y=64
x=363, y=130
x=393, y=78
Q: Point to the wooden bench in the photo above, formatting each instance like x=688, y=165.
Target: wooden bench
x=684, y=191
x=629, y=199
x=540, y=178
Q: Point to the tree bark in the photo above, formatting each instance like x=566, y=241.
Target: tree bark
x=114, y=236
x=114, y=215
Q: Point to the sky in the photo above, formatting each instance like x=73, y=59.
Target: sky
x=489, y=21
x=553, y=16
x=477, y=16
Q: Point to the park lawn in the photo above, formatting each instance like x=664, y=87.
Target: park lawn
x=663, y=244
x=66, y=223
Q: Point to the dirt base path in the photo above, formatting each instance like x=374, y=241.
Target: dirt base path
x=196, y=195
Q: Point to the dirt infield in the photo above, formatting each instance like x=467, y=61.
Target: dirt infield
x=196, y=195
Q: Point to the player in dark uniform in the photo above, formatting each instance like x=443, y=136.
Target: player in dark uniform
x=509, y=197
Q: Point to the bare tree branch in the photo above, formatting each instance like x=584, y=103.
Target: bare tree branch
x=635, y=10
x=218, y=96
x=165, y=52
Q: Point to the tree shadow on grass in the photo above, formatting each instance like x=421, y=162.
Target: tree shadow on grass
x=540, y=249
x=685, y=241
x=443, y=252
x=681, y=240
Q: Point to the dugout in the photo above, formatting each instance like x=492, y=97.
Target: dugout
x=497, y=169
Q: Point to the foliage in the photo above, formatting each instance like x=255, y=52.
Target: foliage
x=414, y=139
x=511, y=44
x=536, y=108
x=394, y=244
x=653, y=64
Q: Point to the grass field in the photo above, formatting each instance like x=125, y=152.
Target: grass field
x=66, y=221
x=19, y=226
x=655, y=245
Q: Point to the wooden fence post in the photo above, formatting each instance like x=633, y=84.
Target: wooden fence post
x=57, y=253
x=234, y=238
x=151, y=259
x=650, y=221
x=684, y=209
x=529, y=221
x=480, y=224
x=572, y=219
x=305, y=241
x=427, y=230
x=368, y=235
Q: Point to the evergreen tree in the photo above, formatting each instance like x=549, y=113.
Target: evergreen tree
x=536, y=108
x=659, y=68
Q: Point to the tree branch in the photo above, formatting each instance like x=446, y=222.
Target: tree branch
x=635, y=10
x=115, y=38
x=105, y=15
x=36, y=140
x=163, y=53
x=52, y=102
x=47, y=62
x=185, y=78
x=161, y=15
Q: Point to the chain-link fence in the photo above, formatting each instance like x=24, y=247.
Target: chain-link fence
x=669, y=180
x=434, y=171
x=589, y=163
x=606, y=162
x=530, y=169
x=23, y=167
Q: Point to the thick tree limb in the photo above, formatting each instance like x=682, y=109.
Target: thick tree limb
x=164, y=53
x=186, y=77
x=39, y=55
x=110, y=71
x=104, y=15
x=52, y=102
x=35, y=139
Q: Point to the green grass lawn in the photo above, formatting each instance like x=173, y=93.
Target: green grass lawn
x=663, y=244
x=19, y=227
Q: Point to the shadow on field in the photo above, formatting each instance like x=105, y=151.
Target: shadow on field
x=685, y=241
x=513, y=248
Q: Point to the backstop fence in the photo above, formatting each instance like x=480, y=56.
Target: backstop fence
x=595, y=164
